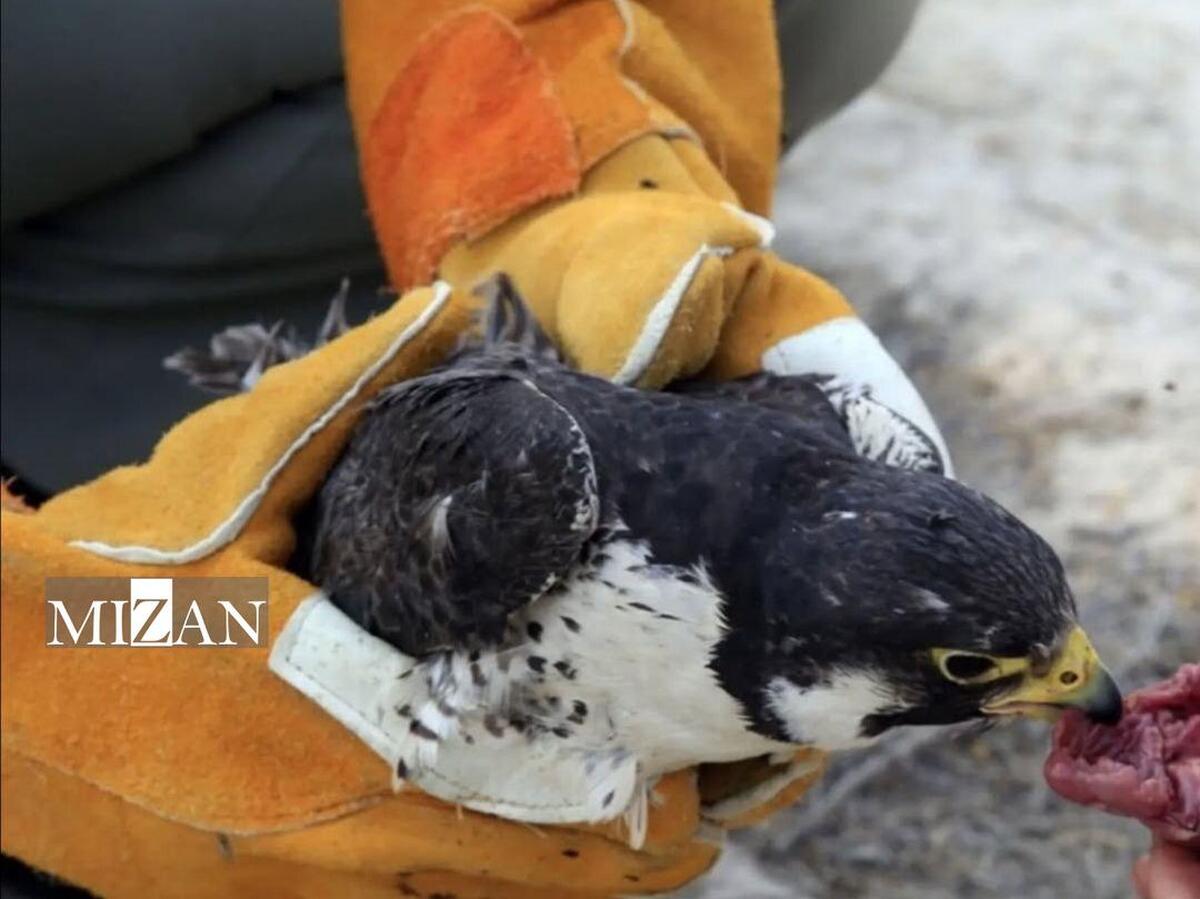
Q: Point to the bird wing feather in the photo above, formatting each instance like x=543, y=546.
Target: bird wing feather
x=801, y=396
x=850, y=416
x=463, y=496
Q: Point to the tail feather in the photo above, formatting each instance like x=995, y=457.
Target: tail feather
x=335, y=324
x=237, y=357
x=507, y=319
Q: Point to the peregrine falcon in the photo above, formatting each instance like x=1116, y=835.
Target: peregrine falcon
x=640, y=581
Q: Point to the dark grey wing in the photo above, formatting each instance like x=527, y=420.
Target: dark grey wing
x=850, y=414
x=462, y=496
x=798, y=395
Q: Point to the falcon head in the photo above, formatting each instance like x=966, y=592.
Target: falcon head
x=897, y=597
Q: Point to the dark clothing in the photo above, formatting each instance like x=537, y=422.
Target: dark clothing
x=168, y=169
x=173, y=168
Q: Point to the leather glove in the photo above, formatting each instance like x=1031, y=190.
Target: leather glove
x=616, y=159
x=198, y=772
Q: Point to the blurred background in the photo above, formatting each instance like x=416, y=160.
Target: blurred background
x=1014, y=208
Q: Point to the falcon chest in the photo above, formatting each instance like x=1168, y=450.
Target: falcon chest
x=618, y=656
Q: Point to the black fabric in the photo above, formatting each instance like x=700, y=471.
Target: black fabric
x=831, y=51
x=266, y=206
x=94, y=91
x=259, y=222
x=168, y=169
x=19, y=881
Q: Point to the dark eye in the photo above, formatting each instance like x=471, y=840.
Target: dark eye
x=967, y=667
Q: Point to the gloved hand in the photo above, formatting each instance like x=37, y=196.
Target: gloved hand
x=197, y=772
x=620, y=183
x=573, y=147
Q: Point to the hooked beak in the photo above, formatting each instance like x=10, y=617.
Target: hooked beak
x=1075, y=679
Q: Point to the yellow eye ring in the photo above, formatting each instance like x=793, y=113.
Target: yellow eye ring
x=964, y=667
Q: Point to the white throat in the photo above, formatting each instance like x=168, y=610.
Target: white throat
x=829, y=716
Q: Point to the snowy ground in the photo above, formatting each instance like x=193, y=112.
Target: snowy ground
x=1016, y=209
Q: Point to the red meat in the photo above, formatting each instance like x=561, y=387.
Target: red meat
x=1147, y=766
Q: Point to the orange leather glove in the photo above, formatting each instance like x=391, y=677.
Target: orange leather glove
x=615, y=158
x=198, y=772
